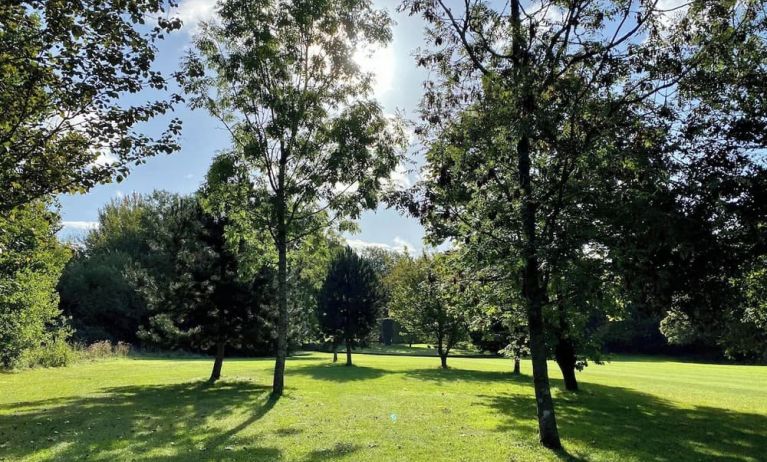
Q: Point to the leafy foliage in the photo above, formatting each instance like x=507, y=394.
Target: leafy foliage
x=31, y=260
x=281, y=77
x=67, y=67
x=95, y=288
x=428, y=300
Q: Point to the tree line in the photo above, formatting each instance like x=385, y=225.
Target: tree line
x=596, y=168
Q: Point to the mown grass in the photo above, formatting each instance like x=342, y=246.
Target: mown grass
x=417, y=349
x=386, y=408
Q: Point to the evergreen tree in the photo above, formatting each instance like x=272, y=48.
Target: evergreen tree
x=349, y=301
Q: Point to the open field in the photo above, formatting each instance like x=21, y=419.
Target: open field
x=386, y=408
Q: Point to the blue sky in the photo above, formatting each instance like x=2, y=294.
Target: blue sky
x=398, y=87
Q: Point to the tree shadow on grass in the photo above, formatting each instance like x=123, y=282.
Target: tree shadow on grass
x=338, y=372
x=629, y=424
x=637, y=426
x=440, y=375
x=154, y=422
x=337, y=451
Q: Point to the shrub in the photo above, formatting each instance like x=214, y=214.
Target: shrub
x=122, y=349
x=55, y=352
x=99, y=350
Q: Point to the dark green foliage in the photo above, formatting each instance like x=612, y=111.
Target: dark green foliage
x=31, y=261
x=349, y=301
x=388, y=328
x=66, y=68
x=210, y=301
x=95, y=289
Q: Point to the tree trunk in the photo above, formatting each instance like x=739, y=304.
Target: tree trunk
x=282, y=322
x=531, y=274
x=516, y=366
x=565, y=356
x=564, y=352
x=218, y=363
x=443, y=359
x=348, y=354
x=335, y=352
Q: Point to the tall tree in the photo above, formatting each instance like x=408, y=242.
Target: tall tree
x=525, y=96
x=349, y=301
x=281, y=77
x=67, y=68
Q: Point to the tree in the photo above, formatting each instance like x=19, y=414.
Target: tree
x=349, y=301
x=427, y=299
x=67, y=69
x=31, y=260
x=281, y=77
x=525, y=97
x=211, y=301
x=95, y=288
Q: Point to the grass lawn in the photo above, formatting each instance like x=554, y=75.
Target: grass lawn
x=387, y=408
x=416, y=349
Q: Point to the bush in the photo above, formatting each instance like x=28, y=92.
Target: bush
x=97, y=350
x=122, y=349
x=56, y=352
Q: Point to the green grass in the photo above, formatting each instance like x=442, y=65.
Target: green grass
x=416, y=349
x=387, y=408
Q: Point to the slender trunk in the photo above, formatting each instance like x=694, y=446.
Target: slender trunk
x=531, y=277
x=282, y=322
x=442, y=351
x=516, y=365
x=218, y=363
x=348, y=353
x=335, y=352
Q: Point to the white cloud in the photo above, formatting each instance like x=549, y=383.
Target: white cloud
x=193, y=12
x=80, y=225
x=399, y=178
x=404, y=245
x=381, y=63
x=358, y=244
x=671, y=11
x=398, y=245
x=119, y=194
x=106, y=158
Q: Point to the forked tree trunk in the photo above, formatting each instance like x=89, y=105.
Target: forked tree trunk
x=218, y=363
x=348, y=354
x=564, y=352
x=566, y=359
x=443, y=360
